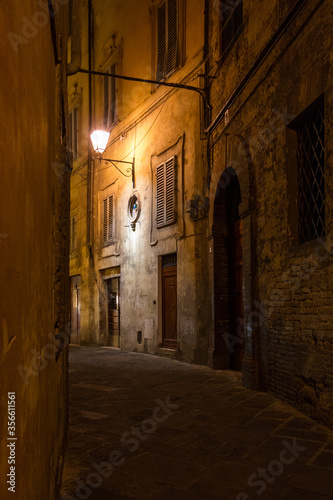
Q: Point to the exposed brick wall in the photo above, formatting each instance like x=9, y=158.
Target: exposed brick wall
x=287, y=286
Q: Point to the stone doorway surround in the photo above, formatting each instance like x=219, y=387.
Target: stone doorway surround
x=233, y=154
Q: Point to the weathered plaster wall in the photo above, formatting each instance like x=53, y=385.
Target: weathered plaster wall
x=33, y=247
x=287, y=315
x=153, y=121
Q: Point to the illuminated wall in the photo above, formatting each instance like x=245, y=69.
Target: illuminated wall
x=33, y=246
x=152, y=123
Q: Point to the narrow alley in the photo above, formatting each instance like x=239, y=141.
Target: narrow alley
x=148, y=427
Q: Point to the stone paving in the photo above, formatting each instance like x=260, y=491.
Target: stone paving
x=147, y=427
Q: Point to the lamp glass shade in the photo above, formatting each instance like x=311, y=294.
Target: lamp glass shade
x=99, y=139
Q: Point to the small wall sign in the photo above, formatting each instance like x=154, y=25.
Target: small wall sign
x=134, y=209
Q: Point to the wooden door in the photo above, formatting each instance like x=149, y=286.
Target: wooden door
x=75, y=309
x=237, y=310
x=113, y=286
x=169, y=291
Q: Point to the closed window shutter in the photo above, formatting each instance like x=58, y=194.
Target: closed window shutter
x=160, y=204
x=105, y=221
x=110, y=222
x=171, y=62
x=108, y=215
x=165, y=193
x=170, y=191
x=161, y=41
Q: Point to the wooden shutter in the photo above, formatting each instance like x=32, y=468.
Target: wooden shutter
x=108, y=221
x=165, y=193
x=105, y=221
x=170, y=191
x=160, y=204
x=171, y=61
x=161, y=41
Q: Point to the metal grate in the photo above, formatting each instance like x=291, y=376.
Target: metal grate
x=311, y=175
x=169, y=260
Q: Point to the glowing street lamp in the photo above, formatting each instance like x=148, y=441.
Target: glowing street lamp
x=99, y=139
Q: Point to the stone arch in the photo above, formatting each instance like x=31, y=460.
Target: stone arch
x=231, y=178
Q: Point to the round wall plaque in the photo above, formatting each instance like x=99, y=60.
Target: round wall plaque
x=134, y=209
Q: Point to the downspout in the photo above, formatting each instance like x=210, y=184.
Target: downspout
x=90, y=176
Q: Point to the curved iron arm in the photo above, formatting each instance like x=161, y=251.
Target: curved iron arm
x=131, y=171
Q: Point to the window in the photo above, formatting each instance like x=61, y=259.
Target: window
x=167, y=38
x=231, y=22
x=110, y=98
x=73, y=241
x=108, y=221
x=310, y=128
x=73, y=132
x=165, y=193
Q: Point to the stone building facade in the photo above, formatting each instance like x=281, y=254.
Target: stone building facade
x=219, y=253
x=34, y=232
x=140, y=277
x=270, y=149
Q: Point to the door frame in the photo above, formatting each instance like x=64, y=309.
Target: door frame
x=172, y=253
x=107, y=274
x=110, y=278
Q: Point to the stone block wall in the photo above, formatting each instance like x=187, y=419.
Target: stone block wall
x=276, y=69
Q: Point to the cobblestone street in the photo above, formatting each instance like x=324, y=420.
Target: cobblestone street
x=147, y=427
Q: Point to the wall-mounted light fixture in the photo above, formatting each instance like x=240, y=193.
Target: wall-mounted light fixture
x=99, y=139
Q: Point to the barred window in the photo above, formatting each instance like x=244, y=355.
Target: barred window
x=108, y=221
x=310, y=128
x=231, y=23
x=165, y=193
x=110, y=98
x=167, y=38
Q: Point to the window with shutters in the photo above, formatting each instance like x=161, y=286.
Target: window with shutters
x=167, y=38
x=231, y=24
x=73, y=132
x=73, y=241
x=165, y=193
x=310, y=154
x=108, y=221
x=110, y=98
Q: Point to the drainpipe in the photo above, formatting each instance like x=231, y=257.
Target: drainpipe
x=75, y=64
x=90, y=176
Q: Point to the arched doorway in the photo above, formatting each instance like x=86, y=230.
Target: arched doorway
x=228, y=274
